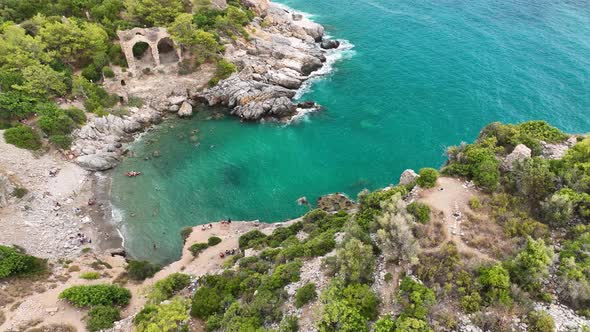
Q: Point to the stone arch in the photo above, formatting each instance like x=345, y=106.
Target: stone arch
x=156, y=38
x=168, y=52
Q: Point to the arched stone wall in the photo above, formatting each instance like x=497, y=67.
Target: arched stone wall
x=150, y=36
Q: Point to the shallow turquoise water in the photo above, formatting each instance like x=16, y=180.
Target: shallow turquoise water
x=423, y=75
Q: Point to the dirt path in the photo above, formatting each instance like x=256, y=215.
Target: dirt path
x=451, y=196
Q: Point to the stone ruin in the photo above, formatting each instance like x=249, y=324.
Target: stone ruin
x=161, y=49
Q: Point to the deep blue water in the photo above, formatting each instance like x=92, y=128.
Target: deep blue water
x=422, y=75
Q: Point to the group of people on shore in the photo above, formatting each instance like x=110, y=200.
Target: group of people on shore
x=83, y=239
x=229, y=252
x=210, y=226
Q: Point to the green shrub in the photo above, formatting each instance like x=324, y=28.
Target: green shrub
x=285, y=274
x=197, y=248
x=251, y=239
x=93, y=295
x=135, y=102
x=305, y=295
x=206, y=302
x=167, y=287
x=76, y=114
x=20, y=192
x=23, y=137
x=214, y=240
x=225, y=69
x=90, y=275
x=108, y=72
x=91, y=73
x=427, y=178
x=14, y=262
x=185, y=233
x=471, y=303
x=420, y=211
x=102, y=317
x=388, y=277
x=165, y=317
x=474, y=203
x=141, y=270
x=61, y=141
x=540, y=321
x=415, y=298
x=495, y=281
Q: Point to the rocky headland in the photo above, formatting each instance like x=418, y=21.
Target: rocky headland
x=283, y=50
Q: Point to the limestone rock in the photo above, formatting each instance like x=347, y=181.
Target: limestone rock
x=407, y=177
x=186, y=110
x=260, y=7
x=519, y=153
x=98, y=162
x=131, y=126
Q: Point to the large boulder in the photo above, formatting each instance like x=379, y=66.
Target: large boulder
x=98, y=162
x=520, y=152
x=185, y=110
x=260, y=7
x=407, y=177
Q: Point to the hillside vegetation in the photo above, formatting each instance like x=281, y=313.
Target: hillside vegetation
x=51, y=50
x=389, y=265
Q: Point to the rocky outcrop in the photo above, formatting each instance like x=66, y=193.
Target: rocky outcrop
x=99, y=143
x=186, y=110
x=260, y=7
x=407, y=177
x=329, y=44
x=252, y=100
x=274, y=64
x=335, y=202
x=557, y=150
x=520, y=152
x=101, y=161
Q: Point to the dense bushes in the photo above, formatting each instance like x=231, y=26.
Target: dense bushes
x=165, y=317
x=197, y=248
x=305, y=294
x=92, y=275
x=540, y=321
x=251, y=238
x=14, y=262
x=427, y=178
x=420, y=211
x=167, y=287
x=213, y=241
x=93, y=295
x=102, y=317
x=23, y=137
x=141, y=270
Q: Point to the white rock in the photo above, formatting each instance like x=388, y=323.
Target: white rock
x=186, y=110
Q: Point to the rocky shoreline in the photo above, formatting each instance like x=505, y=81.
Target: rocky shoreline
x=283, y=51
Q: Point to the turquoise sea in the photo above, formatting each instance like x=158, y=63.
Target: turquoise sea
x=422, y=75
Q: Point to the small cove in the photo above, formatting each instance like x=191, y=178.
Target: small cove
x=421, y=77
